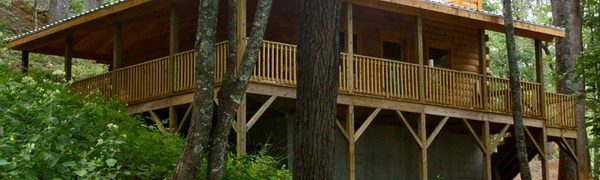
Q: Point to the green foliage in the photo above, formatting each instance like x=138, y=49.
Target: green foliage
x=251, y=167
x=46, y=131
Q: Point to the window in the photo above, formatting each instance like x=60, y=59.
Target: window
x=343, y=42
x=392, y=50
x=440, y=57
x=394, y=45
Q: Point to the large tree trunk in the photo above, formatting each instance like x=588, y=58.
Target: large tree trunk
x=235, y=84
x=199, y=133
x=515, y=87
x=575, y=48
x=567, y=13
x=318, y=77
x=58, y=10
x=92, y=4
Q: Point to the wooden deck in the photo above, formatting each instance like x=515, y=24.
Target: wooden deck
x=359, y=76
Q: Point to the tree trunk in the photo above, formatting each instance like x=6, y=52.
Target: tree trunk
x=575, y=48
x=58, y=10
x=235, y=84
x=566, y=13
x=318, y=77
x=35, y=14
x=92, y=4
x=515, y=86
x=199, y=133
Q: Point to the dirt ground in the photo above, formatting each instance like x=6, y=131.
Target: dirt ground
x=536, y=169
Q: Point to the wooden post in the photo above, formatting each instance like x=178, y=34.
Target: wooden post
x=290, y=139
x=351, y=161
x=241, y=128
x=483, y=69
x=419, y=55
x=350, y=48
x=24, y=61
x=423, y=153
x=539, y=67
x=116, y=58
x=68, y=58
x=241, y=31
x=174, y=49
x=543, y=142
x=487, y=153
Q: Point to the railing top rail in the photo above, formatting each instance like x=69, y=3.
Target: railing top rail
x=383, y=59
x=279, y=43
x=506, y=79
x=454, y=71
x=93, y=77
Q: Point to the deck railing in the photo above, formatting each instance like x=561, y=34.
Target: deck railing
x=368, y=76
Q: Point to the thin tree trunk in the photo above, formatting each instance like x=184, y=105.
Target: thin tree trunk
x=199, y=133
x=515, y=86
x=92, y=4
x=318, y=75
x=235, y=84
x=35, y=14
x=58, y=10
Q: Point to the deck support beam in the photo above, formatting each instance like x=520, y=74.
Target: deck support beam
x=291, y=121
x=423, y=150
x=116, y=57
x=483, y=142
x=483, y=69
x=24, y=61
x=487, y=153
x=68, y=58
x=419, y=56
x=173, y=49
x=351, y=161
x=241, y=128
x=350, y=48
x=543, y=141
x=365, y=124
x=539, y=67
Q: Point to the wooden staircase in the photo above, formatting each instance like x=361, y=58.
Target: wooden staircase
x=505, y=165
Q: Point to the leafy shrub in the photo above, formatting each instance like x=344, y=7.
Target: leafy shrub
x=46, y=131
x=251, y=167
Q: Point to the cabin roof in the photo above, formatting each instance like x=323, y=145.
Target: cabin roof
x=146, y=11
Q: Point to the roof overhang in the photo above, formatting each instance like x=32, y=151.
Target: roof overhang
x=462, y=16
x=92, y=31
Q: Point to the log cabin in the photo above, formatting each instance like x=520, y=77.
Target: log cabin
x=416, y=99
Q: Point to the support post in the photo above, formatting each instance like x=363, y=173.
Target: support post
x=350, y=48
x=241, y=128
x=291, y=121
x=543, y=141
x=116, y=58
x=24, y=61
x=351, y=161
x=487, y=153
x=173, y=49
x=68, y=58
x=483, y=69
x=419, y=55
x=423, y=152
x=241, y=31
x=539, y=67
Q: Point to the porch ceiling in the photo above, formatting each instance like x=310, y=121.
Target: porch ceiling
x=145, y=27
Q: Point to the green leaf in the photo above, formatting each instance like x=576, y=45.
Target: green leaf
x=111, y=162
x=69, y=164
x=51, y=159
x=3, y=162
x=81, y=172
